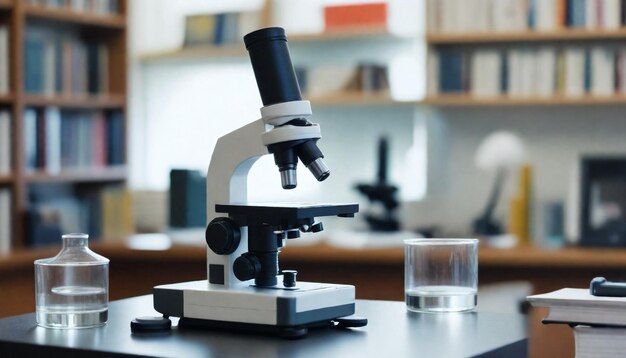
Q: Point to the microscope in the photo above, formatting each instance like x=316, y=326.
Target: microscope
x=245, y=289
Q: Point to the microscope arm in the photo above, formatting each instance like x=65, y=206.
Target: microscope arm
x=233, y=156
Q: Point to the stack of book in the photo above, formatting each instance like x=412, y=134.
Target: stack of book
x=5, y=220
x=57, y=63
x=101, y=7
x=55, y=140
x=328, y=80
x=529, y=71
x=219, y=29
x=5, y=142
x=458, y=16
x=599, y=323
x=4, y=59
x=55, y=210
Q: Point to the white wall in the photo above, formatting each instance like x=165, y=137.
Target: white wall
x=555, y=137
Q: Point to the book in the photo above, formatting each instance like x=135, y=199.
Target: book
x=574, y=62
x=432, y=73
x=452, y=71
x=97, y=67
x=117, y=213
x=5, y=142
x=4, y=59
x=187, y=198
x=578, y=306
x=115, y=138
x=6, y=221
x=30, y=139
x=337, y=17
x=62, y=63
x=599, y=342
x=545, y=78
x=33, y=65
x=53, y=140
x=199, y=30
x=327, y=80
x=486, y=72
x=602, y=76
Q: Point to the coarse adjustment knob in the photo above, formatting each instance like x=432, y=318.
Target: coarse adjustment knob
x=246, y=267
x=223, y=235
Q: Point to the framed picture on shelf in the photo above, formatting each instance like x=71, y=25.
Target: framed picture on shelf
x=603, y=199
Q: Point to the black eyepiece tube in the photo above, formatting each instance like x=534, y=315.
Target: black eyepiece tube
x=272, y=66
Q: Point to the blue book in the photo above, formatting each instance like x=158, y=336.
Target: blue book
x=58, y=66
x=187, y=198
x=33, y=65
x=532, y=14
x=220, y=28
x=579, y=19
x=450, y=71
x=587, y=74
x=504, y=73
x=93, y=67
x=115, y=139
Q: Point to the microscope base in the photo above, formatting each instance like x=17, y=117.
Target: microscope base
x=287, y=312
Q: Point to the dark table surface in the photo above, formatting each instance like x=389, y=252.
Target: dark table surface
x=391, y=332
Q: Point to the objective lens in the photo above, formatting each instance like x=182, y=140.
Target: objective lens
x=319, y=169
x=288, y=178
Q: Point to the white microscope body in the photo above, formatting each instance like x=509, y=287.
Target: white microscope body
x=243, y=289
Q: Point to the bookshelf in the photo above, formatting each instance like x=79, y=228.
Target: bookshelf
x=109, y=30
x=356, y=99
x=87, y=102
x=464, y=100
x=203, y=53
x=92, y=175
x=69, y=16
x=6, y=99
x=567, y=32
x=525, y=36
x=208, y=53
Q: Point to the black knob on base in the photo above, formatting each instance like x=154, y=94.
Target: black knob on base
x=223, y=236
x=289, y=278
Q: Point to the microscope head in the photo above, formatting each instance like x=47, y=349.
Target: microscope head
x=292, y=137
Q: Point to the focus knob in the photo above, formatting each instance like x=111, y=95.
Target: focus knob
x=223, y=235
x=246, y=267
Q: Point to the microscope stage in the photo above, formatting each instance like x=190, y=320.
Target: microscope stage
x=307, y=303
x=268, y=212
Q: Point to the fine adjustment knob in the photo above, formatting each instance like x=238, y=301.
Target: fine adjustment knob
x=246, y=267
x=293, y=234
x=223, y=235
x=289, y=278
x=317, y=227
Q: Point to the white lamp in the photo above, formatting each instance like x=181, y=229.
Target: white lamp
x=500, y=152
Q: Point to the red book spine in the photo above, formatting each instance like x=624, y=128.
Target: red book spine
x=360, y=15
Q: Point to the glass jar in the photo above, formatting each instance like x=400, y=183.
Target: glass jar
x=72, y=288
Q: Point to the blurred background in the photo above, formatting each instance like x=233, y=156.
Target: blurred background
x=500, y=120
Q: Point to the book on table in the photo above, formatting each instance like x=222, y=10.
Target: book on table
x=578, y=306
x=599, y=323
x=599, y=342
